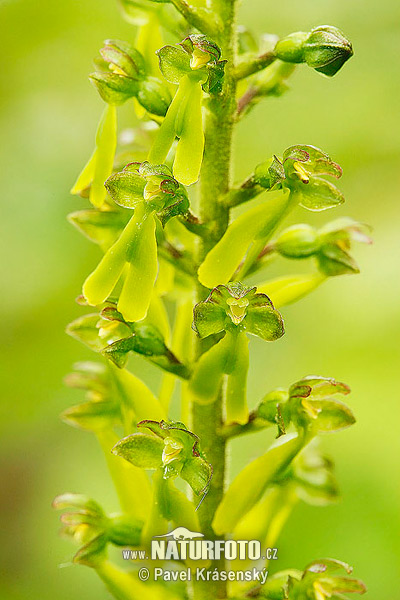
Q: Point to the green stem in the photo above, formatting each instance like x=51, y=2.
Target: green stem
x=215, y=180
x=199, y=17
x=254, y=65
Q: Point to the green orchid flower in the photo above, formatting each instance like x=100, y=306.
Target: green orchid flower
x=330, y=244
x=154, y=194
x=300, y=175
x=195, y=66
x=170, y=449
x=236, y=310
x=87, y=524
x=122, y=75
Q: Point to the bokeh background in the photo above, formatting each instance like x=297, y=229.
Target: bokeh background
x=348, y=329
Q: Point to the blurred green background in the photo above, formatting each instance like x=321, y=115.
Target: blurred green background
x=348, y=329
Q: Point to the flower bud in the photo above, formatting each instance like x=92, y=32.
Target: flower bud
x=327, y=49
x=324, y=48
x=298, y=241
x=154, y=96
x=123, y=59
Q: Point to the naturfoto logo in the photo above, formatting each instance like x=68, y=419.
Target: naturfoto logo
x=183, y=544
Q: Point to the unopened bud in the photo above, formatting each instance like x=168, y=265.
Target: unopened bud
x=327, y=49
x=298, y=241
x=324, y=49
x=154, y=96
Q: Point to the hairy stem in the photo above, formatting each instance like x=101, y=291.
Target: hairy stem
x=215, y=180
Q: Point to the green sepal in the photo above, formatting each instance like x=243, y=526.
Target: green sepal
x=313, y=477
x=269, y=174
x=275, y=588
x=303, y=166
x=126, y=187
x=141, y=450
x=216, y=73
x=80, y=502
x=333, y=260
x=313, y=406
x=249, y=485
x=273, y=409
x=236, y=304
x=197, y=473
x=176, y=450
x=316, y=386
x=145, y=339
x=93, y=552
x=99, y=226
x=319, y=580
x=264, y=321
x=87, y=329
x=208, y=317
x=174, y=63
x=113, y=88
x=93, y=415
x=203, y=44
x=317, y=195
x=327, y=49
